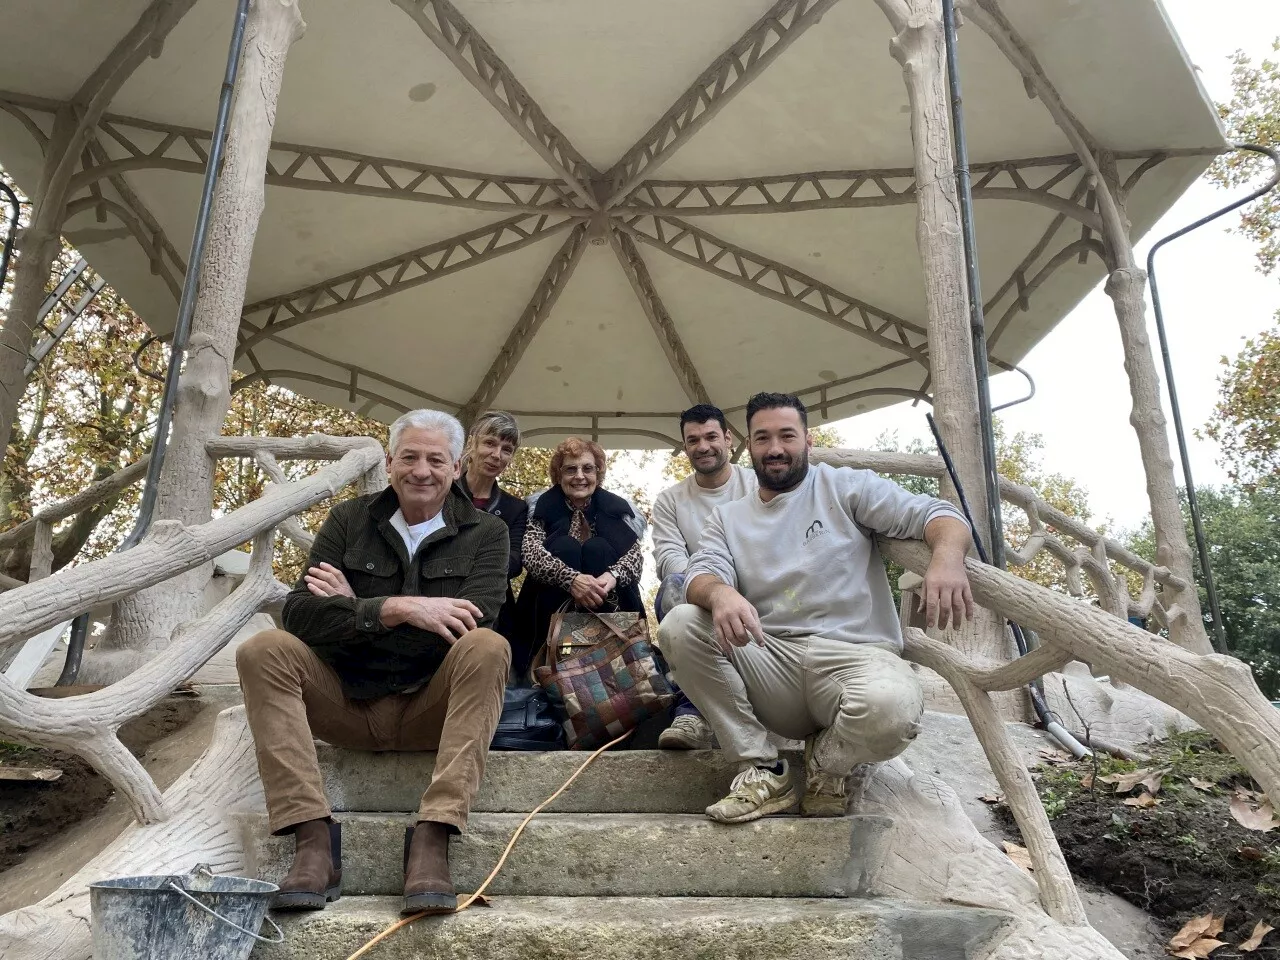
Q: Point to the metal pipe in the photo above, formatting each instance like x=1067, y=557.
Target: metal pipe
x=977, y=319
x=190, y=283
x=182, y=326
x=7, y=252
x=1031, y=392
x=1051, y=722
x=1197, y=523
x=75, y=651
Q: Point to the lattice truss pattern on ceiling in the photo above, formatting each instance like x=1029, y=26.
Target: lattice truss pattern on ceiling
x=625, y=207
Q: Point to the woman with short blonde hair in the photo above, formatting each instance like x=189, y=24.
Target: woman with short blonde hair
x=491, y=444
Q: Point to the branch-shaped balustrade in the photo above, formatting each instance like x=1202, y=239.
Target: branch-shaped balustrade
x=1091, y=557
x=87, y=725
x=39, y=527
x=1218, y=692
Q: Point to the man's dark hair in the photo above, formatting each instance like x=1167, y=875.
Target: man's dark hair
x=776, y=401
x=701, y=413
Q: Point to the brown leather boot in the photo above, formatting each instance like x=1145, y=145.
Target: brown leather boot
x=428, y=886
x=316, y=875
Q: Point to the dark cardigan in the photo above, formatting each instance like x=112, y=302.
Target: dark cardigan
x=514, y=512
x=607, y=513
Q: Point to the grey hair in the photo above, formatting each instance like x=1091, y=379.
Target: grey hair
x=429, y=420
x=497, y=423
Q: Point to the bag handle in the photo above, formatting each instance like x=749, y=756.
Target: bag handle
x=546, y=655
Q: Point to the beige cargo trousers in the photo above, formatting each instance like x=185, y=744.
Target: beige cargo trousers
x=863, y=699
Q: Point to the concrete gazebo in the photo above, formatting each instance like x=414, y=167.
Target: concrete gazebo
x=594, y=213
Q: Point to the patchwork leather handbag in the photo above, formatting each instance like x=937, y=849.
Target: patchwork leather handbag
x=601, y=672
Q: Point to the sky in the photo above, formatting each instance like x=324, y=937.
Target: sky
x=1213, y=298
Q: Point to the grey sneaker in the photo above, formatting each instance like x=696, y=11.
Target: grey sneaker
x=755, y=792
x=687, y=732
x=824, y=795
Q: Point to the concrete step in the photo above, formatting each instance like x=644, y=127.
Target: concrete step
x=668, y=928
x=610, y=855
x=623, y=781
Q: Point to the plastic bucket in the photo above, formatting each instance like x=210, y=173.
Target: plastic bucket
x=167, y=917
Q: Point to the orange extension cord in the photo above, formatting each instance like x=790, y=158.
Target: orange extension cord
x=501, y=860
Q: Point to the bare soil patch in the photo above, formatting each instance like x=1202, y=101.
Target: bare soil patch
x=32, y=812
x=1180, y=857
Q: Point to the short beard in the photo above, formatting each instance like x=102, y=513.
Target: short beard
x=789, y=480
x=721, y=460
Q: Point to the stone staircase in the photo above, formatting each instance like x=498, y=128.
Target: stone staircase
x=624, y=865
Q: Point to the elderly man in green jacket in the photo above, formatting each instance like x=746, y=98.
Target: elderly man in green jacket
x=386, y=646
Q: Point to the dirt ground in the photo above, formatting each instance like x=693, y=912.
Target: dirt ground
x=1180, y=858
x=49, y=830
x=31, y=812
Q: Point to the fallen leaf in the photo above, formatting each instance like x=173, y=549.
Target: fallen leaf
x=1250, y=853
x=1087, y=781
x=1155, y=781
x=1125, y=782
x=1019, y=855
x=1241, y=793
x=480, y=901
x=1255, y=939
x=1144, y=802
x=1199, y=949
x=992, y=798
x=1054, y=757
x=1261, y=817
x=1196, y=928
x=1205, y=785
x=29, y=773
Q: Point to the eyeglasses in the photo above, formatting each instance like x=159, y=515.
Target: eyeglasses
x=572, y=470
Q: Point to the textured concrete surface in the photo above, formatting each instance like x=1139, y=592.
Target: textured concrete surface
x=626, y=781
x=645, y=929
x=611, y=855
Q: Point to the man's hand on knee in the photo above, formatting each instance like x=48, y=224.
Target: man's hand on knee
x=736, y=621
x=449, y=617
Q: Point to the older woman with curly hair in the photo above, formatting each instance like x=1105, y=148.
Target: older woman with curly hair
x=580, y=544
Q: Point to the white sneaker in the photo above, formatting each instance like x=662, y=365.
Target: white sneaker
x=756, y=792
x=687, y=732
x=824, y=795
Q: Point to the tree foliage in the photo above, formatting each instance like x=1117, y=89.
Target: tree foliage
x=1253, y=116
x=1240, y=526
x=1246, y=421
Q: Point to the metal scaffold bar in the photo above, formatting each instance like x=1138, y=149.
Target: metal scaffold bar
x=1197, y=522
x=977, y=320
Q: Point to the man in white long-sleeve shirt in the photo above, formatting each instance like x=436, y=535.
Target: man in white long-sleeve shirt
x=789, y=624
x=679, y=514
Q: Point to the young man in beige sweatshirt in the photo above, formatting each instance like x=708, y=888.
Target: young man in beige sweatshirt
x=680, y=514
x=789, y=624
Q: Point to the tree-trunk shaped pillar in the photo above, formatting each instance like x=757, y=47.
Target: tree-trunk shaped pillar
x=1126, y=286
x=144, y=623
x=919, y=46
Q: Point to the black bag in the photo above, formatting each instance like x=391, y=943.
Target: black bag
x=528, y=722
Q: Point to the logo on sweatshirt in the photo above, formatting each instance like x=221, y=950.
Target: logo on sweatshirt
x=815, y=530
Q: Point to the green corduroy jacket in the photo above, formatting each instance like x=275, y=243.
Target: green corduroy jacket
x=467, y=559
